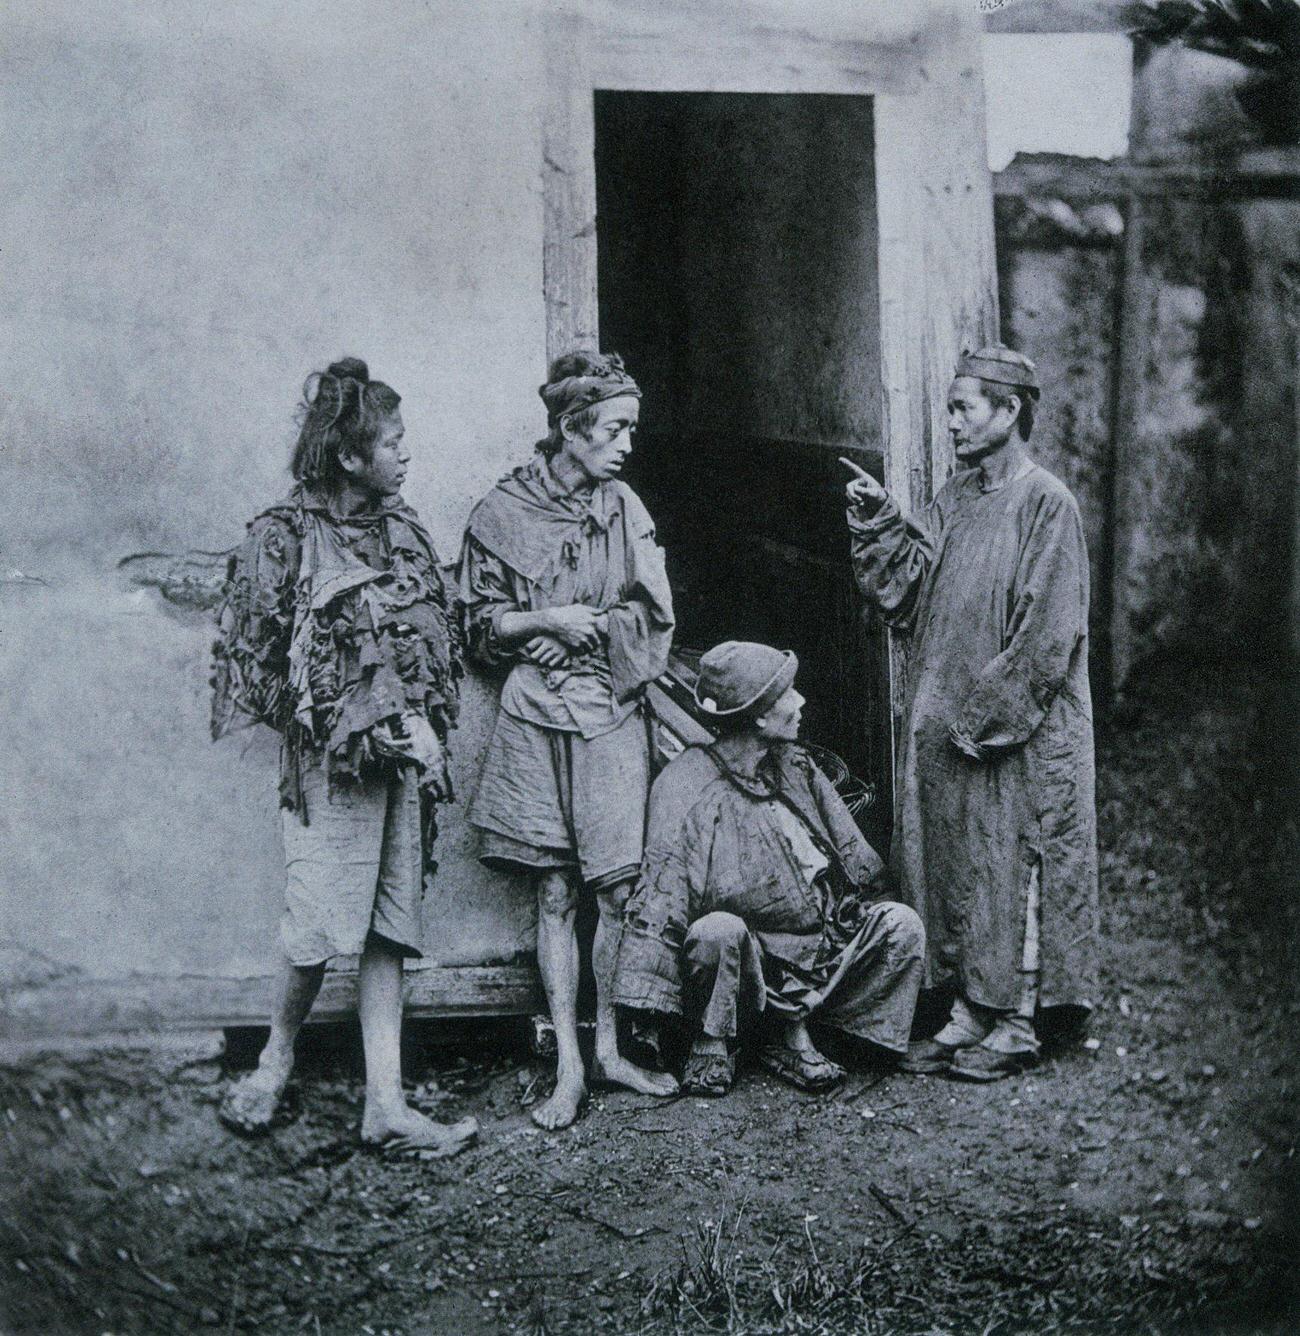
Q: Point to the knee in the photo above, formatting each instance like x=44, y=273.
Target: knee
x=714, y=933
x=557, y=897
x=904, y=927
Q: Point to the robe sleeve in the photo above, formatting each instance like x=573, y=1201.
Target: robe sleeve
x=648, y=976
x=891, y=557
x=250, y=677
x=641, y=623
x=1048, y=622
x=484, y=592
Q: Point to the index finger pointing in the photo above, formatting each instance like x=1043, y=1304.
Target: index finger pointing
x=848, y=463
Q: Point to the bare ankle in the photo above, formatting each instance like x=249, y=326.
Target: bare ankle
x=277, y=1056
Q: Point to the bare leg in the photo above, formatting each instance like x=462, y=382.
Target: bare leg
x=610, y=1064
x=389, y=1119
x=250, y=1104
x=557, y=959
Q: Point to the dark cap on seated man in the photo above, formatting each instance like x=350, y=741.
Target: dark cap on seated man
x=741, y=678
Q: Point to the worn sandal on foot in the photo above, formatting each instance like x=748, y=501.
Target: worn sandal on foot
x=987, y=1064
x=924, y=1057
x=440, y=1142
x=709, y=1074
x=250, y=1110
x=805, y=1069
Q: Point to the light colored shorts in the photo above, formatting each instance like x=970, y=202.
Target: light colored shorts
x=355, y=868
x=550, y=800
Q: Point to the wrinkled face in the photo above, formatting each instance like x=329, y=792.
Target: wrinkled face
x=385, y=471
x=603, y=451
x=977, y=427
x=780, y=722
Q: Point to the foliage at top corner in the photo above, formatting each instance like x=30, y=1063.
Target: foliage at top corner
x=1262, y=34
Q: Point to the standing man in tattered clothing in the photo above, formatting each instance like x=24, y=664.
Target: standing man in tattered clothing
x=336, y=630
x=561, y=580
x=996, y=839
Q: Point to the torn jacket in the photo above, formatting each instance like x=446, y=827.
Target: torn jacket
x=530, y=544
x=331, y=625
x=717, y=841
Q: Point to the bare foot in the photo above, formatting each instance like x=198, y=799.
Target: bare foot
x=619, y=1071
x=562, y=1107
x=250, y=1104
x=403, y=1128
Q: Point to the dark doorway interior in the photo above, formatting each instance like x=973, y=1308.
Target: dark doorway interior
x=737, y=276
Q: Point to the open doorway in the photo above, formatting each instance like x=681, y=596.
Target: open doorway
x=736, y=244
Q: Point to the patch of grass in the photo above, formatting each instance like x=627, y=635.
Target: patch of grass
x=1071, y=1276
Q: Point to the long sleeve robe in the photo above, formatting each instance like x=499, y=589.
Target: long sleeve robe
x=995, y=756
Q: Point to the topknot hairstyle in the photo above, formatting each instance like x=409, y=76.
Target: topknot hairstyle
x=342, y=413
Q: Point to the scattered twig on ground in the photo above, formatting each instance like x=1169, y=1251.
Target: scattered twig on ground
x=237, y=1285
x=887, y=1202
x=578, y=1213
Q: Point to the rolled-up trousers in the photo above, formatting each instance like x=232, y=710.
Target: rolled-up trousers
x=730, y=981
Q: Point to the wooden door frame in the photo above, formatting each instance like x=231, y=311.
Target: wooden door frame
x=580, y=61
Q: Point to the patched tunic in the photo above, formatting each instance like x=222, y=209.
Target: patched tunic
x=331, y=625
x=995, y=755
x=532, y=545
x=779, y=851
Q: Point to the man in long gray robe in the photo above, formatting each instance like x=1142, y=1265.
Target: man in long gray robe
x=995, y=841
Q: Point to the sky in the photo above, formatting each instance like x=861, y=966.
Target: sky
x=1057, y=93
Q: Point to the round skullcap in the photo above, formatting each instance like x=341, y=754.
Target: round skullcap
x=1002, y=365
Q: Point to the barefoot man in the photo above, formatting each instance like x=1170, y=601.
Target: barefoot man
x=336, y=630
x=563, y=584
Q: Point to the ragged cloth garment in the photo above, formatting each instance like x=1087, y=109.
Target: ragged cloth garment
x=995, y=767
x=780, y=852
x=530, y=544
x=333, y=629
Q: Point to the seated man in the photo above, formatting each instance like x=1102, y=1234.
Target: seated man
x=758, y=893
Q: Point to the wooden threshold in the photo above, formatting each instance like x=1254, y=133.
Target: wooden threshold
x=78, y=1008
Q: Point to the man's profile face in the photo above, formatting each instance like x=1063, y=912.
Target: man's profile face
x=976, y=425
x=781, y=720
x=603, y=450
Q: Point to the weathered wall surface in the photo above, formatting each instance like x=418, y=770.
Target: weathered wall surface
x=201, y=204
x=1208, y=451
x=1187, y=476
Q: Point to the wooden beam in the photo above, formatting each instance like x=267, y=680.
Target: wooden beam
x=900, y=259
x=1054, y=16
x=569, y=191
x=1132, y=343
x=764, y=62
x=82, y=1007
x=1092, y=180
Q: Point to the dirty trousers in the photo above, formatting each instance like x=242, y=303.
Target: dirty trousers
x=354, y=865
x=549, y=799
x=729, y=979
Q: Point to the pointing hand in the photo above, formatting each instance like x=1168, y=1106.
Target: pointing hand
x=862, y=489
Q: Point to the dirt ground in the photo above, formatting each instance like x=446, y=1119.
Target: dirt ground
x=1144, y=1182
